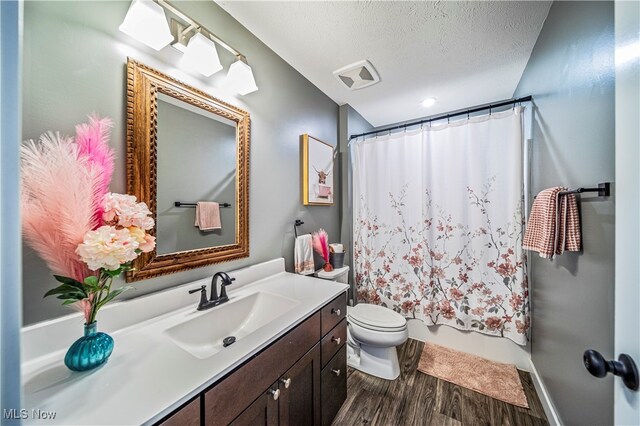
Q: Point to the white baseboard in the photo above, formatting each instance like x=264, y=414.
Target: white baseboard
x=550, y=410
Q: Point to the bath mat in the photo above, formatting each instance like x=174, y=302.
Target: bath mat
x=494, y=379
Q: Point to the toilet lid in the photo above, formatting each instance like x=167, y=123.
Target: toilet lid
x=376, y=317
x=320, y=273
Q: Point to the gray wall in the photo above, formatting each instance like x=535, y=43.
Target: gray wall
x=74, y=64
x=351, y=123
x=571, y=77
x=196, y=162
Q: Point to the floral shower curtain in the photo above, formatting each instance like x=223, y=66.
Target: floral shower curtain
x=438, y=224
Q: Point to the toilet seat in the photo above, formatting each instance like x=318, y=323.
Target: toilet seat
x=376, y=318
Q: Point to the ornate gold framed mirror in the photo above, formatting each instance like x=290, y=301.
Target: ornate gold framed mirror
x=184, y=147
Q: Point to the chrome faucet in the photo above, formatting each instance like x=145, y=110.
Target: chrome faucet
x=215, y=300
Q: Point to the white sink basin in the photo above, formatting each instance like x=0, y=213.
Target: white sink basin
x=202, y=336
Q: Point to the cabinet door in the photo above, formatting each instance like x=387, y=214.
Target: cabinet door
x=300, y=391
x=262, y=412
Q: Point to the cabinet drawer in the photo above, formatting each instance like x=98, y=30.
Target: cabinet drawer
x=189, y=415
x=333, y=313
x=333, y=389
x=333, y=341
x=228, y=398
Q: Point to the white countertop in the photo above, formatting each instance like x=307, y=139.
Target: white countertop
x=148, y=375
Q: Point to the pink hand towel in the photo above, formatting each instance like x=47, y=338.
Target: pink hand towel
x=554, y=224
x=570, y=236
x=541, y=234
x=208, y=216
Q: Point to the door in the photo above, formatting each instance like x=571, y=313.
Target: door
x=627, y=300
x=300, y=391
x=10, y=252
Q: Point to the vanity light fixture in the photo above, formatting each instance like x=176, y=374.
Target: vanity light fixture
x=146, y=22
x=240, y=78
x=196, y=42
x=201, y=55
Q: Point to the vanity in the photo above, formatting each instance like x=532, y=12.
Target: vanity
x=170, y=366
x=299, y=379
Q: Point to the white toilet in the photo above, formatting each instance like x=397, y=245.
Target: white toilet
x=372, y=335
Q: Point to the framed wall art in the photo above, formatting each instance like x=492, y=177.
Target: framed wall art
x=317, y=172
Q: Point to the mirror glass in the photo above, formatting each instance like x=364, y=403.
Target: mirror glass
x=184, y=147
x=196, y=162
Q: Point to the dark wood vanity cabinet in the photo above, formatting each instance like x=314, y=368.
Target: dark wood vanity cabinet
x=293, y=400
x=298, y=380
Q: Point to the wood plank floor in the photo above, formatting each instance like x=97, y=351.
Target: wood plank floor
x=418, y=399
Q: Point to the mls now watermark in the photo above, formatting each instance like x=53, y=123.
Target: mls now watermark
x=23, y=414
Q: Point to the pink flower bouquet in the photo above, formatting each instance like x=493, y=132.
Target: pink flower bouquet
x=320, y=243
x=87, y=235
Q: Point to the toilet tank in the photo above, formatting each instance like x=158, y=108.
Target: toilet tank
x=340, y=275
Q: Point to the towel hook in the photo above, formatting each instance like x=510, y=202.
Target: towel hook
x=297, y=223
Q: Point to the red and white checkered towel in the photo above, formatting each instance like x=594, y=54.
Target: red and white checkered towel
x=554, y=224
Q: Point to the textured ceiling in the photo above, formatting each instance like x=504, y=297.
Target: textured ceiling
x=462, y=53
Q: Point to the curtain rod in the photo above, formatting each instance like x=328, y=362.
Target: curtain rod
x=448, y=115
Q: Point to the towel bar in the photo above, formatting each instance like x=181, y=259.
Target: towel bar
x=603, y=190
x=179, y=204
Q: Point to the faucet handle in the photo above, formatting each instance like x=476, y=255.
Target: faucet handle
x=202, y=289
x=203, y=295
x=223, y=290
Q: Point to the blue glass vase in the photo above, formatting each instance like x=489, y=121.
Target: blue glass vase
x=89, y=351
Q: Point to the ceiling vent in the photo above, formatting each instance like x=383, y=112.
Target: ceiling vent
x=358, y=75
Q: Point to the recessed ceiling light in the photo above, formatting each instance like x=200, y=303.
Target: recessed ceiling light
x=428, y=102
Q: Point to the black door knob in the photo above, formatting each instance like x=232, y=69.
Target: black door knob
x=624, y=367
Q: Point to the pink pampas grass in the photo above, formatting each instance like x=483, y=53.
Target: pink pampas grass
x=92, y=139
x=58, y=201
x=320, y=242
